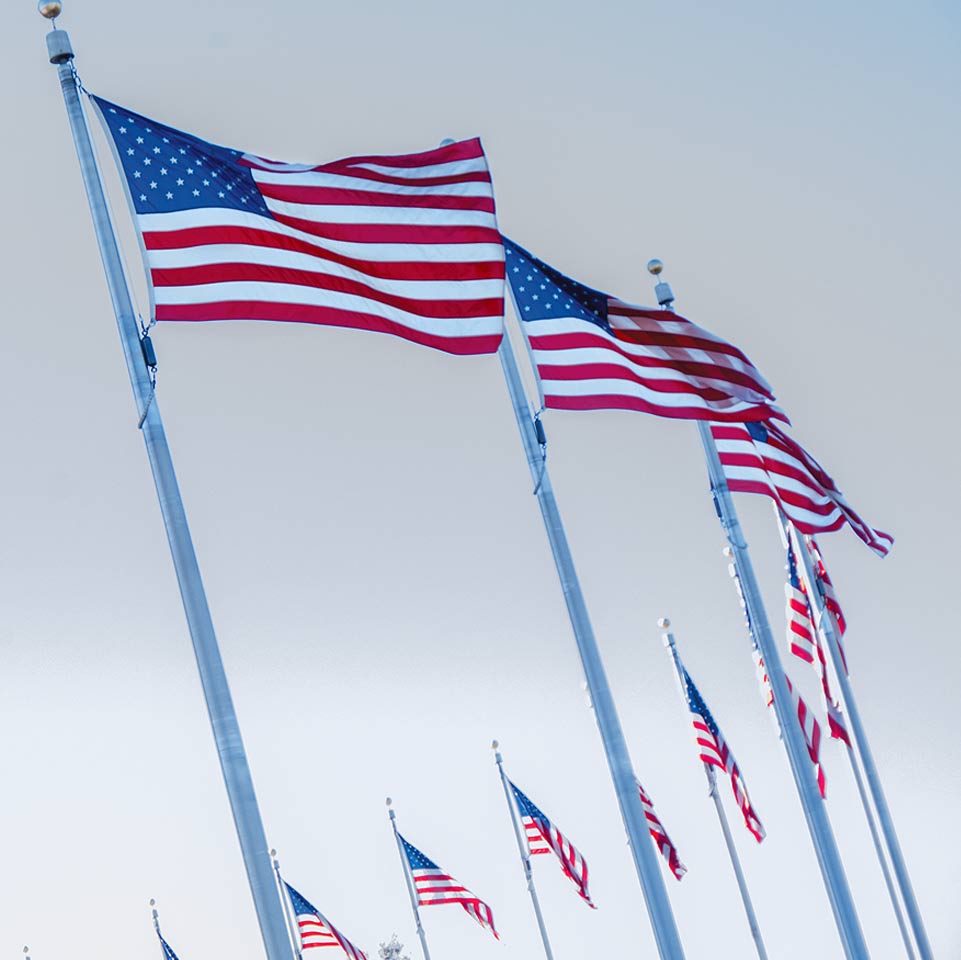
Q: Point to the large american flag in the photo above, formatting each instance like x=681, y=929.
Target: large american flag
x=805, y=640
x=713, y=749
x=595, y=352
x=544, y=837
x=316, y=930
x=762, y=458
x=406, y=245
x=662, y=841
x=435, y=887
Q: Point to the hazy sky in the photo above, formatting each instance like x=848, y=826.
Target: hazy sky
x=375, y=562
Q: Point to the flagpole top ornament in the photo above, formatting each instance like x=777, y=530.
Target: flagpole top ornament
x=664, y=622
x=655, y=267
x=50, y=9
x=389, y=801
x=495, y=745
x=153, y=902
x=273, y=852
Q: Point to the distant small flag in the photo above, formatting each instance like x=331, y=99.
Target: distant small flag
x=714, y=750
x=167, y=949
x=812, y=733
x=828, y=592
x=405, y=245
x=662, y=841
x=805, y=641
x=435, y=887
x=544, y=837
x=595, y=352
x=316, y=930
x=762, y=458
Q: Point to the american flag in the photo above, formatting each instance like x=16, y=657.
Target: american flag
x=595, y=352
x=435, y=887
x=713, y=749
x=828, y=592
x=810, y=728
x=316, y=930
x=406, y=245
x=544, y=837
x=805, y=640
x=812, y=733
x=762, y=458
x=661, y=840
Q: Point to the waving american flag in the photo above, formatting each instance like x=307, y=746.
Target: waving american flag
x=595, y=352
x=436, y=887
x=662, y=841
x=406, y=245
x=713, y=749
x=315, y=930
x=762, y=458
x=544, y=837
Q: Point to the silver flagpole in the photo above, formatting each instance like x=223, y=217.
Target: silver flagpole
x=825, y=846
x=828, y=623
x=524, y=850
x=288, y=913
x=156, y=925
x=721, y=815
x=608, y=722
x=223, y=719
x=405, y=864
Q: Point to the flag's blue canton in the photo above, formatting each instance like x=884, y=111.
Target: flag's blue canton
x=416, y=859
x=168, y=953
x=301, y=904
x=168, y=170
x=792, y=571
x=542, y=293
x=527, y=807
x=697, y=705
x=757, y=431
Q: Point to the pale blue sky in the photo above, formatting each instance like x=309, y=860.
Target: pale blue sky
x=376, y=566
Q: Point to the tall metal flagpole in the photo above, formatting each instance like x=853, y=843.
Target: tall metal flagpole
x=223, y=718
x=405, y=864
x=524, y=850
x=721, y=815
x=295, y=939
x=608, y=722
x=825, y=846
x=829, y=624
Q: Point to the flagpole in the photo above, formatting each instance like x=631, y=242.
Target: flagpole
x=605, y=712
x=828, y=622
x=156, y=925
x=223, y=718
x=405, y=864
x=524, y=850
x=295, y=938
x=721, y=815
x=825, y=846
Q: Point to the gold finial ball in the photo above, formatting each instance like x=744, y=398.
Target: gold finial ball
x=654, y=267
x=664, y=623
x=494, y=744
x=50, y=9
x=389, y=801
x=153, y=902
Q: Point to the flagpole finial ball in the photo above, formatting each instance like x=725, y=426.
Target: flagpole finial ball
x=389, y=801
x=273, y=852
x=50, y=9
x=655, y=267
x=153, y=902
x=664, y=623
x=728, y=552
x=494, y=744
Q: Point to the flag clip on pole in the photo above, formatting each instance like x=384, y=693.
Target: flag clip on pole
x=523, y=849
x=405, y=865
x=605, y=712
x=223, y=718
x=825, y=846
x=669, y=642
x=292, y=928
x=829, y=624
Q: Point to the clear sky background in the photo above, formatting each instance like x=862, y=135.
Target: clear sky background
x=375, y=562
